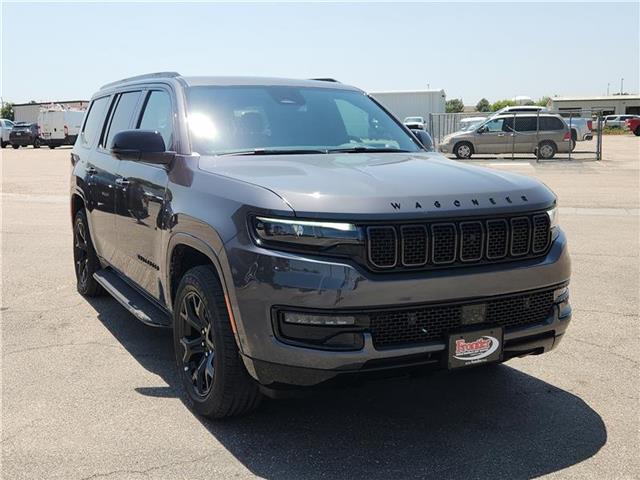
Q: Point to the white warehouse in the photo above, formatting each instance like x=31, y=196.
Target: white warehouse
x=415, y=103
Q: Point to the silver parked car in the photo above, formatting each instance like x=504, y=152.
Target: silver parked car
x=5, y=129
x=506, y=133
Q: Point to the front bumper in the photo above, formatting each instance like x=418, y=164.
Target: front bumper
x=263, y=279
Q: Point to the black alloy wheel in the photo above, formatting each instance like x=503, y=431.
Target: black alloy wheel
x=85, y=260
x=198, y=351
x=209, y=363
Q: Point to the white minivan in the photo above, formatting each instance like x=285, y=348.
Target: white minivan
x=59, y=126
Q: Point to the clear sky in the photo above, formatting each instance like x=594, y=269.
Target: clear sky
x=495, y=50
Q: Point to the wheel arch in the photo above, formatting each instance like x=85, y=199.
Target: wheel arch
x=186, y=251
x=77, y=204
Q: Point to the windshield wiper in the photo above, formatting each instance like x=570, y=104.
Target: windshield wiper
x=367, y=149
x=274, y=151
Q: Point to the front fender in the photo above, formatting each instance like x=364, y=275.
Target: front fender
x=208, y=242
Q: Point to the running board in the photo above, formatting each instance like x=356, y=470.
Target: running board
x=139, y=306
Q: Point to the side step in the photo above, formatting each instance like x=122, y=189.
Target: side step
x=139, y=306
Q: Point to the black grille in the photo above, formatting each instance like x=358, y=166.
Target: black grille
x=443, y=240
x=414, y=245
x=497, y=239
x=382, y=246
x=433, y=323
x=464, y=242
x=541, y=232
x=471, y=243
x=520, y=236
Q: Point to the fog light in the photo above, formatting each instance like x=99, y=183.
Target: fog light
x=313, y=319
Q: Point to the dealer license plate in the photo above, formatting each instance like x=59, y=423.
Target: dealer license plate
x=475, y=347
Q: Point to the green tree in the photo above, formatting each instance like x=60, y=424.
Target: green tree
x=501, y=104
x=7, y=111
x=454, y=105
x=544, y=101
x=483, y=105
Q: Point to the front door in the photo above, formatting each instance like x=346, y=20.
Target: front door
x=141, y=201
x=493, y=138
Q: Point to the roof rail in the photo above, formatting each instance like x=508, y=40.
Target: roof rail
x=325, y=80
x=142, y=77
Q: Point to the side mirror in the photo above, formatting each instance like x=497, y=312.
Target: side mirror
x=141, y=146
x=481, y=130
x=424, y=138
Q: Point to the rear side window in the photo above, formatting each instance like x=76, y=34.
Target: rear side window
x=121, y=118
x=526, y=124
x=551, y=123
x=95, y=119
x=157, y=115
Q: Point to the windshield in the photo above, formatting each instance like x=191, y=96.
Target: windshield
x=227, y=120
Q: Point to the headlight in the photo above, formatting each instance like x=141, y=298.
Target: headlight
x=305, y=233
x=553, y=217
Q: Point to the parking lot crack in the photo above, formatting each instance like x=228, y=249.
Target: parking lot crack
x=146, y=471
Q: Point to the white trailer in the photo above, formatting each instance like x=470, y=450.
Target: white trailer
x=59, y=126
x=417, y=103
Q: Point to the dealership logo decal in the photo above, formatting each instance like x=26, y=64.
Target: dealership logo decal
x=477, y=349
x=459, y=203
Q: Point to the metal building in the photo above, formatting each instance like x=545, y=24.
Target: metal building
x=609, y=104
x=28, y=112
x=416, y=103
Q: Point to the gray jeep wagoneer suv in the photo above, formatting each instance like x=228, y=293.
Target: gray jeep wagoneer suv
x=294, y=233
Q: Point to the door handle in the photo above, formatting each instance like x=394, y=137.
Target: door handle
x=501, y=134
x=91, y=171
x=122, y=182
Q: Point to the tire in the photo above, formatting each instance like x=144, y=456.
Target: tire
x=573, y=145
x=52, y=146
x=637, y=132
x=213, y=375
x=547, y=149
x=36, y=143
x=15, y=147
x=85, y=259
x=463, y=150
x=3, y=144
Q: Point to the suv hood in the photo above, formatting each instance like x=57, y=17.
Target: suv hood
x=383, y=185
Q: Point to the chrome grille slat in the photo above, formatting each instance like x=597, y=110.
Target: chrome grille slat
x=462, y=242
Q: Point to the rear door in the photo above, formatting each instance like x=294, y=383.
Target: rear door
x=105, y=167
x=141, y=199
x=96, y=178
x=525, y=134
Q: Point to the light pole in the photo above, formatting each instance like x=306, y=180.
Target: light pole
x=621, y=85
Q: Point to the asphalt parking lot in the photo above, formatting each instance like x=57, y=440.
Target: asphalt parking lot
x=88, y=392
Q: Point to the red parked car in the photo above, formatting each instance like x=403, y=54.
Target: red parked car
x=633, y=124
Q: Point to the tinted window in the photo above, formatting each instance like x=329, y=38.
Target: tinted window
x=526, y=124
x=157, y=116
x=121, y=118
x=551, y=123
x=230, y=119
x=94, y=121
